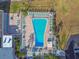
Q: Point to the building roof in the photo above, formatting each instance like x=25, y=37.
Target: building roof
x=74, y=37
x=6, y=53
x=0, y=23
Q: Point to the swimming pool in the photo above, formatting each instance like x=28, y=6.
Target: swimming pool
x=39, y=25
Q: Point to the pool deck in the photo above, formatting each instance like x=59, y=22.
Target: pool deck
x=29, y=29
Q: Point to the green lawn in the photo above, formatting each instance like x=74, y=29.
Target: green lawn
x=19, y=7
x=15, y=7
x=47, y=57
x=51, y=57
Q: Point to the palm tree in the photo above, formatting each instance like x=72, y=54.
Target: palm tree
x=18, y=53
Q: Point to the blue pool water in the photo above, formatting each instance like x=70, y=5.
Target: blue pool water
x=39, y=25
